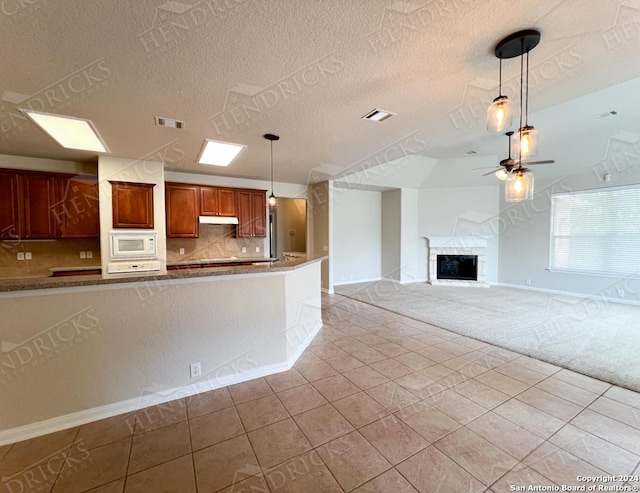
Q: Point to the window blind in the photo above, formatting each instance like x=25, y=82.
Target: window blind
x=596, y=231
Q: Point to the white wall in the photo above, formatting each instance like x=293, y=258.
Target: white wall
x=320, y=223
x=390, y=236
x=410, y=241
x=81, y=354
x=357, y=234
x=46, y=165
x=525, y=230
x=463, y=211
x=137, y=171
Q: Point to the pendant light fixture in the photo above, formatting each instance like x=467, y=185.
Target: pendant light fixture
x=273, y=201
x=499, y=113
x=519, y=181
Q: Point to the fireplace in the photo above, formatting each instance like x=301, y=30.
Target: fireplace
x=457, y=267
x=457, y=261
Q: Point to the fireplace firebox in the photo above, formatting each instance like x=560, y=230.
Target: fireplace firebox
x=457, y=267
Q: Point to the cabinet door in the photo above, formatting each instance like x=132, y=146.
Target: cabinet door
x=245, y=223
x=227, y=202
x=182, y=210
x=9, y=207
x=77, y=212
x=209, y=201
x=258, y=212
x=132, y=205
x=39, y=203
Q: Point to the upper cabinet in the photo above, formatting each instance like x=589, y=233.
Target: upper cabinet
x=77, y=211
x=132, y=205
x=27, y=203
x=9, y=207
x=182, y=208
x=252, y=213
x=39, y=201
x=216, y=201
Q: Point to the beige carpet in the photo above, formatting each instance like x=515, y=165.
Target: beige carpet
x=596, y=338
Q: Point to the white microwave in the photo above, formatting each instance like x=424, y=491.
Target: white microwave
x=133, y=245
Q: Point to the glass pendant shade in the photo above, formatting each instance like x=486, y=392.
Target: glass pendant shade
x=499, y=114
x=525, y=142
x=519, y=186
x=502, y=174
x=273, y=201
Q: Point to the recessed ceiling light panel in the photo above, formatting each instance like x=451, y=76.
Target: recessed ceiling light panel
x=217, y=153
x=378, y=115
x=69, y=132
x=168, y=122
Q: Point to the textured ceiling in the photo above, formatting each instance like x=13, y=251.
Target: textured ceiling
x=233, y=70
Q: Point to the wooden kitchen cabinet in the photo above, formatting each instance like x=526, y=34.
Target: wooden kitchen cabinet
x=77, y=211
x=182, y=208
x=39, y=201
x=9, y=207
x=132, y=205
x=216, y=201
x=252, y=213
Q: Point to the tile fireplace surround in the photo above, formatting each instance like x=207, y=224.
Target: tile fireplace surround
x=456, y=245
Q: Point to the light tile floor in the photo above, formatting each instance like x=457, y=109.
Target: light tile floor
x=377, y=403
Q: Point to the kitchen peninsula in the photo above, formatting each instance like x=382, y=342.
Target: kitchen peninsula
x=114, y=344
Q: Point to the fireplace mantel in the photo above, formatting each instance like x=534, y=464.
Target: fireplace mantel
x=456, y=245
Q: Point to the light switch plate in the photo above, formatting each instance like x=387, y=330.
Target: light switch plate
x=89, y=254
x=83, y=254
x=20, y=256
x=257, y=249
x=28, y=256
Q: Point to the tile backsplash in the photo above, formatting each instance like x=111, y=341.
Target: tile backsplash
x=215, y=241
x=45, y=254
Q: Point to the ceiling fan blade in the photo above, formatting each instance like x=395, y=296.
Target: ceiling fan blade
x=484, y=167
x=548, y=161
x=492, y=171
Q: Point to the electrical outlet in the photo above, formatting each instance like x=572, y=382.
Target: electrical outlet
x=325, y=248
x=20, y=256
x=83, y=254
x=89, y=254
x=620, y=293
x=182, y=251
x=195, y=370
x=527, y=282
x=28, y=256
x=244, y=249
x=257, y=249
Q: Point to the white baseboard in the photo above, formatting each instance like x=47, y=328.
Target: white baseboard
x=569, y=293
x=152, y=397
x=344, y=283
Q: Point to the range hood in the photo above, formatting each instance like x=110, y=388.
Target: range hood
x=217, y=220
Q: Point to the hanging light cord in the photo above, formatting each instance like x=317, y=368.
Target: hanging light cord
x=526, y=118
x=500, y=80
x=272, y=167
x=520, y=129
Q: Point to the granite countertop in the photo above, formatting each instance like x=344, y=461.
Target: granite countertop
x=26, y=284
x=75, y=269
x=227, y=260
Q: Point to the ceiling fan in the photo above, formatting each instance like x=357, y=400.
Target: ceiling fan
x=510, y=164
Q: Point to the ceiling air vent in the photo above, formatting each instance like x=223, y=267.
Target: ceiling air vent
x=168, y=122
x=469, y=153
x=378, y=115
x=605, y=114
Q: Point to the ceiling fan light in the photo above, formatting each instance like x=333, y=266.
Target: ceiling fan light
x=519, y=186
x=499, y=114
x=502, y=174
x=525, y=142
